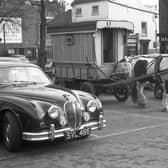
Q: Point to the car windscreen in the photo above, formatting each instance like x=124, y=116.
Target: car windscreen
x=23, y=74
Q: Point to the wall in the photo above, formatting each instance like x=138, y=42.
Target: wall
x=87, y=12
x=81, y=50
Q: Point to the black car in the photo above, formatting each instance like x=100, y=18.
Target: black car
x=32, y=108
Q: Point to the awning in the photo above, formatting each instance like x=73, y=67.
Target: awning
x=115, y=24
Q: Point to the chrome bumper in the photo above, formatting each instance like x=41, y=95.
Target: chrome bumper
x=52, y=133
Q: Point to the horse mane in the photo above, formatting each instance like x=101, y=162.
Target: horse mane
x=139, y=69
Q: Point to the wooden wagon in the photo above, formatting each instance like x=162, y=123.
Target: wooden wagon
x=85, y=54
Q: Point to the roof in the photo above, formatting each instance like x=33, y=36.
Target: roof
x=63, y=19
x=136, y=4
x=75, y=2
x=63, y=23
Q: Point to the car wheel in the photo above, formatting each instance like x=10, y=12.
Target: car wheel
x=158, y=91
x=121, y=93
x=11, y=133
x=88, y=87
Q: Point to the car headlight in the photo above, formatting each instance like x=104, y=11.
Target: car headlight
x=54, y=111
x=86, y=116
x=91, y=106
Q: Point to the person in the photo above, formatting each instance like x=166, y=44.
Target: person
x=124, y=67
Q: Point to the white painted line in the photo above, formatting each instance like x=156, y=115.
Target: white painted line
x=7, y=157
x=131, y=131
x=141, y=115
x=96, y=136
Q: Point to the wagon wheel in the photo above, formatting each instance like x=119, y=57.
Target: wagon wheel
x=88, y=87
x=11, y=132
x=121, y=92
x=158, y=91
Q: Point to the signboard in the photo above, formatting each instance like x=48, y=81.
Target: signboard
x=11, y=31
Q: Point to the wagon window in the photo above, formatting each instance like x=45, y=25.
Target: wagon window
x=69, y=40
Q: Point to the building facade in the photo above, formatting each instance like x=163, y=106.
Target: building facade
x=163, y=25
x=144, y=18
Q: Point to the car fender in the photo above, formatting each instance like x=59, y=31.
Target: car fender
x=19, y=107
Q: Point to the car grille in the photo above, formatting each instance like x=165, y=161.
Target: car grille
x=73, y=114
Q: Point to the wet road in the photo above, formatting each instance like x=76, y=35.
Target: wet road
x=134, y=137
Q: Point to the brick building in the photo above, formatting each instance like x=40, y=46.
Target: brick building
x=29, y=40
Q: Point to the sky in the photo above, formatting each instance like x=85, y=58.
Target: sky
x=149, y=2
x=145, y=2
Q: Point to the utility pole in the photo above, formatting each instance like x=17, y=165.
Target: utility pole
x=42, y=53
x=41, y=60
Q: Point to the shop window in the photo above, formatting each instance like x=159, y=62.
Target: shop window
x=95, y=10
x=144, y=29
x=78, y=12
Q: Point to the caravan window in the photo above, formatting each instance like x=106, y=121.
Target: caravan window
x=69, y=40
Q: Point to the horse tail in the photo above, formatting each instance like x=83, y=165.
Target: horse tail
x=134, y=92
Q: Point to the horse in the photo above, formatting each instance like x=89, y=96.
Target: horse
x=144, y=67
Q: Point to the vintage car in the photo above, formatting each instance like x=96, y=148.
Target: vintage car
x=32, y=108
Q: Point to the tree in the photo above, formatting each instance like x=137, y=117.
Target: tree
x=55, y=7
x=10, y=9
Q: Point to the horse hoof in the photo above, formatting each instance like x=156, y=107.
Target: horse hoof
x=142, y=105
